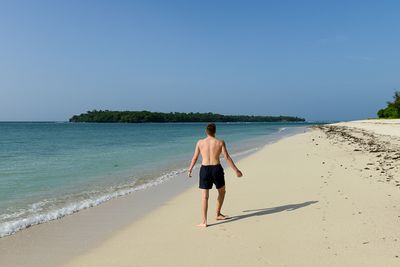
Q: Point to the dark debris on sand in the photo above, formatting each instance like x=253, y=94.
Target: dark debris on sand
x=385, y=149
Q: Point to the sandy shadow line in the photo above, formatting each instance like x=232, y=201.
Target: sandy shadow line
x=265, y=211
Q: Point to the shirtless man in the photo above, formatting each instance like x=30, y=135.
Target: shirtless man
x=211, y=171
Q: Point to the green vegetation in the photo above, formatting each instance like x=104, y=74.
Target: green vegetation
x=392, y=111
x=147, y=116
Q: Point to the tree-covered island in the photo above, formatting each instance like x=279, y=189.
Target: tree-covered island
x=148, y=116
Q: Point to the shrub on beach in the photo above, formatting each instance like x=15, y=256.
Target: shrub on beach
x=392, y=111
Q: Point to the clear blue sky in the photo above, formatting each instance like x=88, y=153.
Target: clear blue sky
x=322, y=60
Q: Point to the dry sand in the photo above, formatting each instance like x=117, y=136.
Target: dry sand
x=383, y=127
x=327, y=197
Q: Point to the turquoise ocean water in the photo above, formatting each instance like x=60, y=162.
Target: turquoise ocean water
x=49, y=170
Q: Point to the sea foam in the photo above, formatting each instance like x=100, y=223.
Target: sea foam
x=13, y=226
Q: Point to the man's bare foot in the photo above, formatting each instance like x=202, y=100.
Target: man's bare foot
x=202, y=225
x=222, y=217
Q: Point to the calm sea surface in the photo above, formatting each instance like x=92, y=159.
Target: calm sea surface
x=49, y=170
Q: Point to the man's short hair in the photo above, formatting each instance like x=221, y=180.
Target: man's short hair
x=211, y=129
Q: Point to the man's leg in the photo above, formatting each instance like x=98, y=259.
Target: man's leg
x=204, y=204
x=220, y=201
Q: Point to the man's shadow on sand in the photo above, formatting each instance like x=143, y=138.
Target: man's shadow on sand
x=265, y=211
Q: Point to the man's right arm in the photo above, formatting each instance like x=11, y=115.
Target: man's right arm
x=194, y=159
x=229, y=160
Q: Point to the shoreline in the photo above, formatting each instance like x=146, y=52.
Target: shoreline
x=96, y=224
x=306, y=200
x=11, y=227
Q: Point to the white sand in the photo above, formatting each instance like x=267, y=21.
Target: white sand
x=386, y=127
x=304, y=201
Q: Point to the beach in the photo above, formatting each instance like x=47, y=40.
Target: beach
x=326, y=197
x=314, y=199
x=121, y=122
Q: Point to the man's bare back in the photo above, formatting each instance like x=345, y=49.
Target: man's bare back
x=211, y=171
x=210, y=150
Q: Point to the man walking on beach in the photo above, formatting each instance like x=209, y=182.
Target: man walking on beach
x=211, y=171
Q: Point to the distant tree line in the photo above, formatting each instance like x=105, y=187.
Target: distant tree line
x=148, y=116
x=392, y=111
